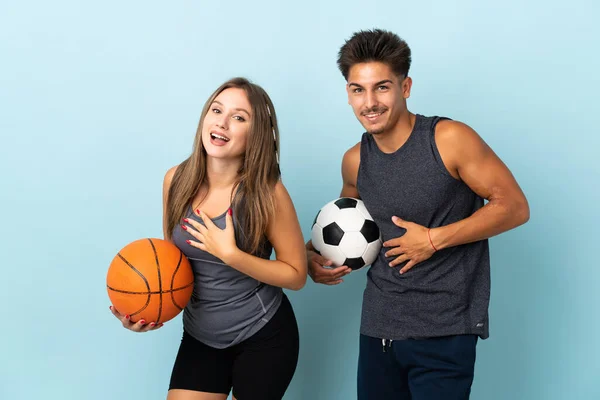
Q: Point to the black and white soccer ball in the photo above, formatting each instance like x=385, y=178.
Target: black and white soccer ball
x=344, y=232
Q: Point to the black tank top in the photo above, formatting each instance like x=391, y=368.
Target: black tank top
x=447, y=294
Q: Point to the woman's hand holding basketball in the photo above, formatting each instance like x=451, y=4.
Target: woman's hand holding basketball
x=140, y=326
x=212, y=239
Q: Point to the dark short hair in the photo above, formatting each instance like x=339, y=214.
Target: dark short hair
x=375, y=45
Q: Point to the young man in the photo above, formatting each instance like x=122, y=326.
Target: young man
x=424, y=181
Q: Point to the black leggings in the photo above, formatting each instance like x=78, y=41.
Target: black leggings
x=260, y=367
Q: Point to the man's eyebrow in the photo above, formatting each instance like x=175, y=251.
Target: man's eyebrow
x=376, y=84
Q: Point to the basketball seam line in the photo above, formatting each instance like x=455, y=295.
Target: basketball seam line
x=173, y=281
x=149, y=293
x=143, y=278
x=159, y=281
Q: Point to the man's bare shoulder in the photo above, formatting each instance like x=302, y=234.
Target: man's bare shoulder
x=352, y=156
x=350, y=164
x=455, y=134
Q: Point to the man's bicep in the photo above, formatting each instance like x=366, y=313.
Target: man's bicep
x=349, y=190
x=350, y=165
x=481, y=169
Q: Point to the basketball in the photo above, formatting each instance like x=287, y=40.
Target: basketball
x=150, y=279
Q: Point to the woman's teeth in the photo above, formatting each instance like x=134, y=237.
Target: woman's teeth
x=215, y=136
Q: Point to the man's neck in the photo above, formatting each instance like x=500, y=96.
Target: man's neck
x=391, y=140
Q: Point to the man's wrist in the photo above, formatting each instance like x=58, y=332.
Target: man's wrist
x=438, y=238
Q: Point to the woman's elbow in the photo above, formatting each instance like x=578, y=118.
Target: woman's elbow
x=298, y=279
x=298, y=282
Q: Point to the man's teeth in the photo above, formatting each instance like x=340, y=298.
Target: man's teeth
x=215, y=136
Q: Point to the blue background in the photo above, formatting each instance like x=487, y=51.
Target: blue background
x=99, y=99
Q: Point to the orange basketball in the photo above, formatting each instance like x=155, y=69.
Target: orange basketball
x=150, y=279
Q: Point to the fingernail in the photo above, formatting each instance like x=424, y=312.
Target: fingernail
x=198, y=212
x=188, y=242
x=161, y=324
x=185, y=220
x=184, y=227
x=230, y=211
x=142, y=321
x=127, y=316
x=152, y=324
x=110, y=308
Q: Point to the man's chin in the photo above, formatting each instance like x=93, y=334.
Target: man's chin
x=376, y=131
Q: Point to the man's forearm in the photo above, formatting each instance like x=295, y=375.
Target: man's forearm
x=494, y=218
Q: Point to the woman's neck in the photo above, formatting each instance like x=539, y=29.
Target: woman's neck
x=222, y=173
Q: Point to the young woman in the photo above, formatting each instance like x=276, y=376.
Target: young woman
x=226, y=208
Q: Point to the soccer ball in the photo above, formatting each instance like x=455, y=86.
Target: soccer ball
x=344, y=232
